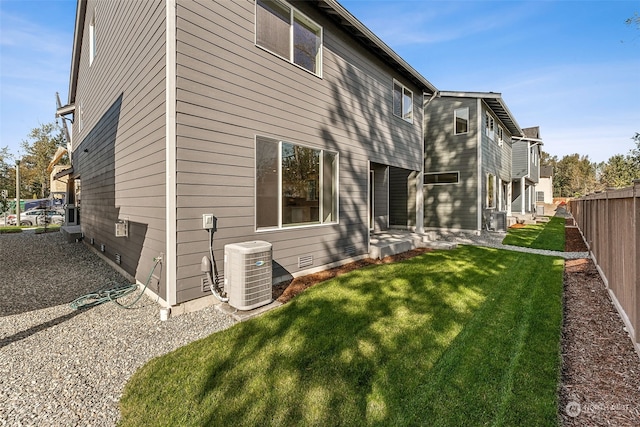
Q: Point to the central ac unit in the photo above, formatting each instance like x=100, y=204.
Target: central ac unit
x=247, y=274
x=496, y=221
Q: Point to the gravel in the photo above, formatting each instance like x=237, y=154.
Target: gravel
x=64, y=367
x=493, y=239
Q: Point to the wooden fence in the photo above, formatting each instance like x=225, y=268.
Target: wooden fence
x=610, y=224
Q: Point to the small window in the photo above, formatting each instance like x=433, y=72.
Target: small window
x=402, y=102
x=500, y=136
x=284, y=31
x=491, y=191
x=461, y=121
x=92, y=39
x=441, y=178
x=539, y=196
x=489, y=125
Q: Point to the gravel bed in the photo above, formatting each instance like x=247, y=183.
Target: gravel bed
x=64, y=367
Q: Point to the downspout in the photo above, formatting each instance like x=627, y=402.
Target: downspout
x=479, y=157
x=171, y=155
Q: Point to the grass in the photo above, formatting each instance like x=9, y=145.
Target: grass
x=548, y=235
x=463, y=337
x=10, y=229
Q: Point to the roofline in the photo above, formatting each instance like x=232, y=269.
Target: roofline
x=377, y=45
x=81, y=9
x=516, y=131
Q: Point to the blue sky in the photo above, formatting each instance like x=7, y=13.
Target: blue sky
x=570, y=67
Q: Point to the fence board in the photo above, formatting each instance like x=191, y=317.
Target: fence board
x=610, y=223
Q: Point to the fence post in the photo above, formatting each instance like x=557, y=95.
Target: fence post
x=636, y=234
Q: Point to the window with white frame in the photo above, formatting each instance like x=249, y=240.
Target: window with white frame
x=440, y=178
x=500, y=136
x=283, y=30
x=92, y=39
x=491, y=191
x=402, y=102
x=461, y=120
x=295, y=185
x=489, y=125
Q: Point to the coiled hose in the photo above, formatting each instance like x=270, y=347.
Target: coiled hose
x=113, y=292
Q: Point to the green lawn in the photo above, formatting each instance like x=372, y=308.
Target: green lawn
x=538, y=236
x=463, y=337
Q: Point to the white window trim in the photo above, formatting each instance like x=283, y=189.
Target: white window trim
x=280, y=226
x=454, y=120
x=404, y=88
x=458, y=182
x=500, y=136
x=292, y=14
x=489, y=174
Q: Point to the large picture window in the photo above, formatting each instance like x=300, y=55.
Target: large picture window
x=283, y=30
x=402, y=102
x=295, y=185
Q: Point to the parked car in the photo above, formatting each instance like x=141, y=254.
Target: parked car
x=37, y=217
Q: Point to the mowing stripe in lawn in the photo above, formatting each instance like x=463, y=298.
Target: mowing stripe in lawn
x=463, y=337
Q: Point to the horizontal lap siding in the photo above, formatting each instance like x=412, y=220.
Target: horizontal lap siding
x=451, y=206
x=229, y=91
x=119, y=152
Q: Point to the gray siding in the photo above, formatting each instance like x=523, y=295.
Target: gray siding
x=496, y=158
x=520, y=159
x=118, y=147
x=452, y=206
x=402, y=197
x=229, y=91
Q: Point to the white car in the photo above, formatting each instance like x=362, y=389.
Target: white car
x=37, y=217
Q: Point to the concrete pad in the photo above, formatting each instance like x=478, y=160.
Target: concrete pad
x=242, y=315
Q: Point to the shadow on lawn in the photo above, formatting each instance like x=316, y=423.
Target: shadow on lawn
x=324, y=360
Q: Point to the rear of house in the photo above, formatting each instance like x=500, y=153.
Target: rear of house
x=526, y=170
x=290, y=122
x=467, y=159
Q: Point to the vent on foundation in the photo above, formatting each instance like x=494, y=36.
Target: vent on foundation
x=305, y=261
x=350, y=250
x=118, y=259
x=103, y=247
x=92, y=241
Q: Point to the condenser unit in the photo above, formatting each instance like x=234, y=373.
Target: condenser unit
x=496, y=221
x=247, y=274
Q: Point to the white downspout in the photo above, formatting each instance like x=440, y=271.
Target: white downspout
x=170, y=266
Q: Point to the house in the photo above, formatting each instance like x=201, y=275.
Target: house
x=544, y=189
x=467, y=160
x=289, y=121
x=526, y=170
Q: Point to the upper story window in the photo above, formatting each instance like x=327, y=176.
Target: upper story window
x=489, y=125
x=500, y=135
x=284, y=31
x=402, y=102
x=92, y=39
x=295, y=185
x=461, y=121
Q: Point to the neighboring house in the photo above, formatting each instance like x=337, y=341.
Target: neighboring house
x=467, y=159
x=291, y=122
x=526, y=170
x=544, y=189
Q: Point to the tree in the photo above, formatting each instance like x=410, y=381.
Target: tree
x=45, y=140
x=619, y=171
x=574, y=176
